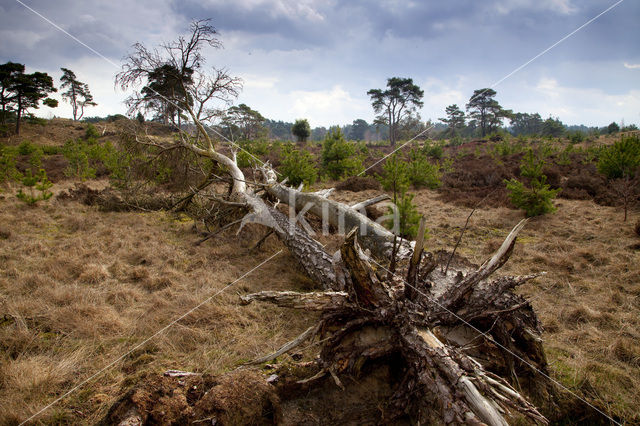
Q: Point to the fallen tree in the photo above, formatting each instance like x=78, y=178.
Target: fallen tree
x=465, y=348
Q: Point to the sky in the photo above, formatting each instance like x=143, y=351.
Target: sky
x=317, y=59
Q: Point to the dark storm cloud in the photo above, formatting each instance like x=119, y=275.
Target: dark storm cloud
x=445, y=36
x=108, y=27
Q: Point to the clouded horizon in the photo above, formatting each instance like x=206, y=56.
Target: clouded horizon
x=317, y=59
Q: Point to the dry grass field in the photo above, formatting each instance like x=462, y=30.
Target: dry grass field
x=80, y=288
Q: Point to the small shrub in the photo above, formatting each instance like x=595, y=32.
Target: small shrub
x=396, y=179
x=299, y=166
x=620, y=159
x=496, y=137
x=433, y=150
x=51, y=150
x=84, y=156
x=339, y=157
x=408, y=217
x=503, y=148
x=119, y=165
x=395, y=176
x=546, y=149
x=621, y=164
x=115, y=117
x=591, y=154
x=421, y=172
x=77, y=153
x=564, y=158
x=91, y=132
x=358, y=183
x=576, y=137
x=35, y=159
x=8, y=171
x=536, y=198
x=251, y=151
x=456, y=141
x=32, y=119
x=39, y=183
x=26, y=148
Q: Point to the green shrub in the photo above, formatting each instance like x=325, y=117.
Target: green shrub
x=39, y=183
x=591, y=154
x=408, y=217
x=119, y=165
x=622, y=159
x=298, y=166
x=26, y=148
x=537, y=197
x=35, y=159
x=32, y=119
x=91, y=132
x=576, y=137
x=547, y=149
x=395, y=176
x=446, y=165
x=456, y=141
x=339, y=157
x=433, y=150
x=8, y=171
x=79, y=153
x=564, y=158
x=496, y=137
x=506, y=147
x=51, y=150
x=421, y=172
x=251, y=150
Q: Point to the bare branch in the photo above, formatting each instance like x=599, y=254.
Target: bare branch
x=315, y=301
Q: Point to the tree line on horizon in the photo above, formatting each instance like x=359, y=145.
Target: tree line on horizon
x=396, y=107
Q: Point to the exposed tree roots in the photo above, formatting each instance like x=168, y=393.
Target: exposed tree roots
x=457, y=345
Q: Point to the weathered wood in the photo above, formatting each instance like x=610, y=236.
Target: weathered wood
x=414, y=263
x=372, y=235
x=455, y=294
x=307, y=334
x=370, y=202
x=315, y=301
x=365, y=288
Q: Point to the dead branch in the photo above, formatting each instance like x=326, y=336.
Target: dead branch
x=370, y=202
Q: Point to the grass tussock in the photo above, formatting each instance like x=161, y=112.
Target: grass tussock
x=80, y=287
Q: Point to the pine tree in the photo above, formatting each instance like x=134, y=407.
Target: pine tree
x=77, y=93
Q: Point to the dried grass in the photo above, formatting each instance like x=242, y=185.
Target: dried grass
x=80, y=287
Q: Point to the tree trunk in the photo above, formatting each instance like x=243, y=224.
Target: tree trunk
x=460, y=339
x=372, y=235
x=18, y=115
